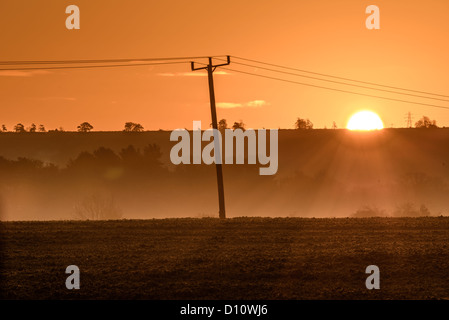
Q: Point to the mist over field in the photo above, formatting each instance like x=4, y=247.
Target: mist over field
x=322, y=173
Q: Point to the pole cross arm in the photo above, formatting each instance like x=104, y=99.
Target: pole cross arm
x=228, y=58
x=192, y=64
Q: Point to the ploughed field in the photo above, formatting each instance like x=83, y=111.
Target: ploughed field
x=239, y=258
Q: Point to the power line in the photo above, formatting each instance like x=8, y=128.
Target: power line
x=334, y=89
x=93, y=66
x=338, y=82
x=102, y=60
x=9, y=63
x=173, y=60
x=341, y=78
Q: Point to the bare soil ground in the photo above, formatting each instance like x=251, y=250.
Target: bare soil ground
x=240, y=258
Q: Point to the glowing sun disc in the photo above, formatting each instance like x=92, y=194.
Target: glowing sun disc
x=365, y=120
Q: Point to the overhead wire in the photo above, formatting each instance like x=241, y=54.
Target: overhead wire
x=24, y=62
x=93, y=66
x=335, y=89
x=341, y=78
x=110, y=63
x=337, y=82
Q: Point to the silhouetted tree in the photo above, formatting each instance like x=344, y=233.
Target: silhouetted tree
x=303, y=124
x=222, y=124
x=129, y=154
x=41, y=128
x=151, y=156
x=138, y=128
x=238, y=125
x=32, y=128
x=19, y=128
x=26, y=164
x=128, y=126
x=106, y=157
x=84, y=162
x=133, y=127
x=85, y=127
x=334, y=125
x=425, y=122
x=4, y=129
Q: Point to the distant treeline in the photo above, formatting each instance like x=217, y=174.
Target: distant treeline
x=300, y=124
x=321, y=173
x=102, y=164
x=83, y=127
x=133, y=178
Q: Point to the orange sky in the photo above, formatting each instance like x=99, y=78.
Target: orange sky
x=410, y=50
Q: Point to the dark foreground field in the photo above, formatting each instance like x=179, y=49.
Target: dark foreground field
x=241, y=258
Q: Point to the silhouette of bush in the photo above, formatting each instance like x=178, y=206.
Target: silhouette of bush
x=97, y=207
x=368, y=211
x=408, y=209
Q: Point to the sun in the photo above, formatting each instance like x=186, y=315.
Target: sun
x=365, y=120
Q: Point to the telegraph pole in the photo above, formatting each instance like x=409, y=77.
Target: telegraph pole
x=217, y=148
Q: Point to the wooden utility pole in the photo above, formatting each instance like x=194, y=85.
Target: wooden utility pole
x=213, y=110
